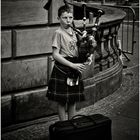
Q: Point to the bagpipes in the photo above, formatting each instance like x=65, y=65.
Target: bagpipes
x=87, y=44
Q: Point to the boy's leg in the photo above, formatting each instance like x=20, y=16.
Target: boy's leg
x=71, y=110
x=61, y=112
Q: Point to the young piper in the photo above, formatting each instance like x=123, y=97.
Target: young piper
x=65, y=85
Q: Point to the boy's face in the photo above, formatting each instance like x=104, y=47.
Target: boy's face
x=66, y=19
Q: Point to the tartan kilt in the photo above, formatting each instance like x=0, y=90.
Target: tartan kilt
x=59, y=91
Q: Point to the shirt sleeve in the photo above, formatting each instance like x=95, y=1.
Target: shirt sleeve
x=56, y=40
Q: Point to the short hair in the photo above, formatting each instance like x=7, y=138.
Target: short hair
x=64, y=8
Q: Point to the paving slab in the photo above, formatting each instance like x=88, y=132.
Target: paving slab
x=129, y=109
x=124, y=128
x=125, y=125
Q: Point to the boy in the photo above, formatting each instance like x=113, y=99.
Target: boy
x=65, y=85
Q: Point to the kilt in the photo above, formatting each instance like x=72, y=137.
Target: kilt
x=58, y=90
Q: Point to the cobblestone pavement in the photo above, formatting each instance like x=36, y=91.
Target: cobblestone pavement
x=122, y=107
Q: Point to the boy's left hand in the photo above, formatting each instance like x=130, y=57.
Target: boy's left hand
x=84, y=33
x=89, y=60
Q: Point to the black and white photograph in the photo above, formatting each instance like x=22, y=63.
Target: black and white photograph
x=69, y=69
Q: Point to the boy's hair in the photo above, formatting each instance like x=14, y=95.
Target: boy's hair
x=64, y=8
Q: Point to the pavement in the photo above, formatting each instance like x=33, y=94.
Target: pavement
x=122, y=107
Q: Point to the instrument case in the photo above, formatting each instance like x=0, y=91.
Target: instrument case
x=81, y=127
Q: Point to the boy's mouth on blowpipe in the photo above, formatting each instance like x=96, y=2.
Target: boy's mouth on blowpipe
x=75, y=29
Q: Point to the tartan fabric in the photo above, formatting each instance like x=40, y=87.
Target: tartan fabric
x=59, y=91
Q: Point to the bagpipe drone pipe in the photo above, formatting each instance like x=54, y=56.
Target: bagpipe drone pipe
x=87, y=44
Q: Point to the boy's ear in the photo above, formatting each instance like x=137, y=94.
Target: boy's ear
x=58, y=18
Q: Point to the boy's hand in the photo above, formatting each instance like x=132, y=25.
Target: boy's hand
x=89, y=60
x=84, y=33
x=79, y=66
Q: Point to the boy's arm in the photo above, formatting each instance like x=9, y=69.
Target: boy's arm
x=57, y=56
